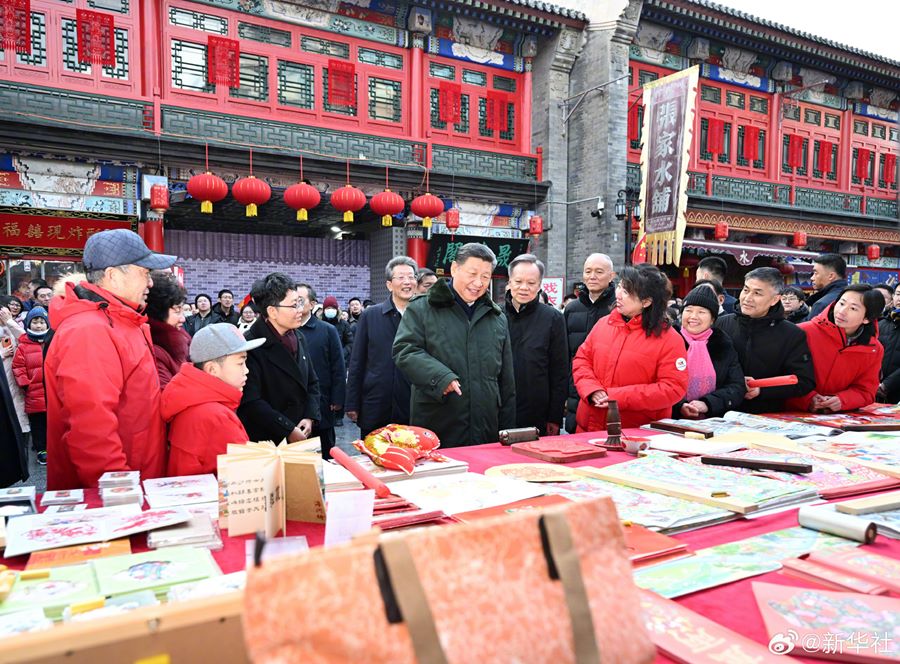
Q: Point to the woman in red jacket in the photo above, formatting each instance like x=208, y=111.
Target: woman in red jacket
x=632, y=356
x=846, y=353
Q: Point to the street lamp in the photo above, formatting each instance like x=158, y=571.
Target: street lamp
x=628, y=206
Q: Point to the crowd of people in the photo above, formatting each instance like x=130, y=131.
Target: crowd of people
x=123, y=373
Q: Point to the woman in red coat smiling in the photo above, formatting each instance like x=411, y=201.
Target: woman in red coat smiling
x=632, y=356
x=846, y=353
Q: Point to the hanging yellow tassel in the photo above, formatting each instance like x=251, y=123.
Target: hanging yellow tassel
x=426, y=222
x=386, y=220
x=302, y=215
x=206, y=207
x=251, y=210
x=348, y=216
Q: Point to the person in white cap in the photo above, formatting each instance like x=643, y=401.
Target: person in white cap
x=199, y=403
x=101, y=380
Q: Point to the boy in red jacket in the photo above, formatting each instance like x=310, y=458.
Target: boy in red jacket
x=28, y=370
x=199, y=403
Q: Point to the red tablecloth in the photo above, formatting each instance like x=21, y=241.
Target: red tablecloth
x=731, y=605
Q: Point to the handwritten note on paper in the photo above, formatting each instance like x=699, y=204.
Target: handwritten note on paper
x=348, y=513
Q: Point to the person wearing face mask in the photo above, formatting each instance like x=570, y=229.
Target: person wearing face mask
x=846, y=353
x=331, y=314
x=28, y=369
x=715, y=378
x=633, y=356
x=539, y=346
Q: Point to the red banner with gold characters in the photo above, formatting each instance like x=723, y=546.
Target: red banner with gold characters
x=96, y=38
x=31, y=234
x=15, y=26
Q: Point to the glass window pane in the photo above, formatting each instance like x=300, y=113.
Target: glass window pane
x=189, y=66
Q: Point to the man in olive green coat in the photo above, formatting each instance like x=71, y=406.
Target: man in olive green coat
x=453, y=345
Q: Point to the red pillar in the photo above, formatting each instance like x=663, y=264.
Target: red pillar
x=417, y=249
x=525, y=124
x=418, y=92
x=153, y=235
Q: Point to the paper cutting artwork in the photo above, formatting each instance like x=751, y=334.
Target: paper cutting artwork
x=464, y=492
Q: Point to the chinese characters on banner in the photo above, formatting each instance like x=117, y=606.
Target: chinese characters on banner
x=670, y=105
x=33, y=234
x=554, y=287
x=442, y=251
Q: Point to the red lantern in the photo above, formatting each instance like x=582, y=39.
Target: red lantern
x=208, y=189
x=302, y=197
x=251, y=191
x=451, y=218
x=159, y=198
x=799, y=239
x=873, y=252
x=536, y=225
x=348, y=199
x=386, y=204
x=721, y=232
x=427, y=206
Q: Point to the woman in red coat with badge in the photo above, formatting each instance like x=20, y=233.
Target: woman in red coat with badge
x=633, y=356
x=846, y=353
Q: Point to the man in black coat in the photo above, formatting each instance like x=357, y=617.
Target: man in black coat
x=377, y=392
x=829, y=278
x=281, y=397
x=889, y=336
x=328, y=361
x=14, y=467
x=768, y=345
x=582, y=314
x=539, y=347
x=224, y=309
x=714, y=268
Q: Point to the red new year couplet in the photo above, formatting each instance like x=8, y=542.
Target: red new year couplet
x=450, y=101
x=223, y=61
x=890, y=169
x=823, y=163
x=96, y=38
x=795, y=151
x=341, y=80
x=715, y=137
x=15, y=26
x=751, y=143
x=862, y=163
x=496, y=111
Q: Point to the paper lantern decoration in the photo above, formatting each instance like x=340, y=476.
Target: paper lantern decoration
x=386, y=204
x=795, y=151
x=721, y=231
x=302, y=197
x=862, y=163
x=535, y=225
x=715, y=137
x=873, y=252
x=348, y=199
x=799, y=239
x=251, y=192
x=451, y=219
x=427, y=206
x=208, y=189
x=159, y=198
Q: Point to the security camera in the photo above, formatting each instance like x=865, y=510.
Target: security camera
x=599, y=210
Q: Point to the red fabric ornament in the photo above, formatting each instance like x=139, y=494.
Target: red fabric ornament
x=449, y=102
x=823, y=163
x=862, y=163
x=873, y=252
x=348, y=199
x=251, y=192
x=496, y=111
x=799, y=239
x=208, y=189
x=634, y=129
x=715, y=137
x=15, y=26
x=536, y=225
x=96, y=38
x=427, y=206
x=721, y=231
x=341, y=83
x=795, y=151
x=159, y=198
x=890, y=169
x=451, y=219
x=223, y=61
x=751, y=143
x=386, y=204
x=302, y=197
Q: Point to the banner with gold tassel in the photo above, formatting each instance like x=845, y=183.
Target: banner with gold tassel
x=670, y=105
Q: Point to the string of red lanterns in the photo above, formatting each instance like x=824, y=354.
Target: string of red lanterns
x=387, y=203
x=348, y=199
x=302, y=196
x=251, y=191
x=207, y=188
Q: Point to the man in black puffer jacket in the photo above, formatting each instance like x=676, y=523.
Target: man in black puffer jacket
x=582, y=314
x=889, y=336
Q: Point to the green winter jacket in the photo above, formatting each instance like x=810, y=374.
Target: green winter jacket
x=435, y=344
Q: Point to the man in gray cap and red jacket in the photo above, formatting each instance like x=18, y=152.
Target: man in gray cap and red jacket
x=103, y=392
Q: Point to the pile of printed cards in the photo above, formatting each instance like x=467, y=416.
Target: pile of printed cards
x=121, y=487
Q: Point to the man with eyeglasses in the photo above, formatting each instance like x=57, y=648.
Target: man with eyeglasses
x=794, y=302
x=102, y=387
x=377, y=392
x=281, y=397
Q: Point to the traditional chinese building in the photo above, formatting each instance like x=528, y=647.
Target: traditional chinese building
x=104, y=99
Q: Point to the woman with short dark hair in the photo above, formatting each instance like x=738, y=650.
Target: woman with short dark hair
x=845, y=351
x=166, y=319
x=633, y=356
